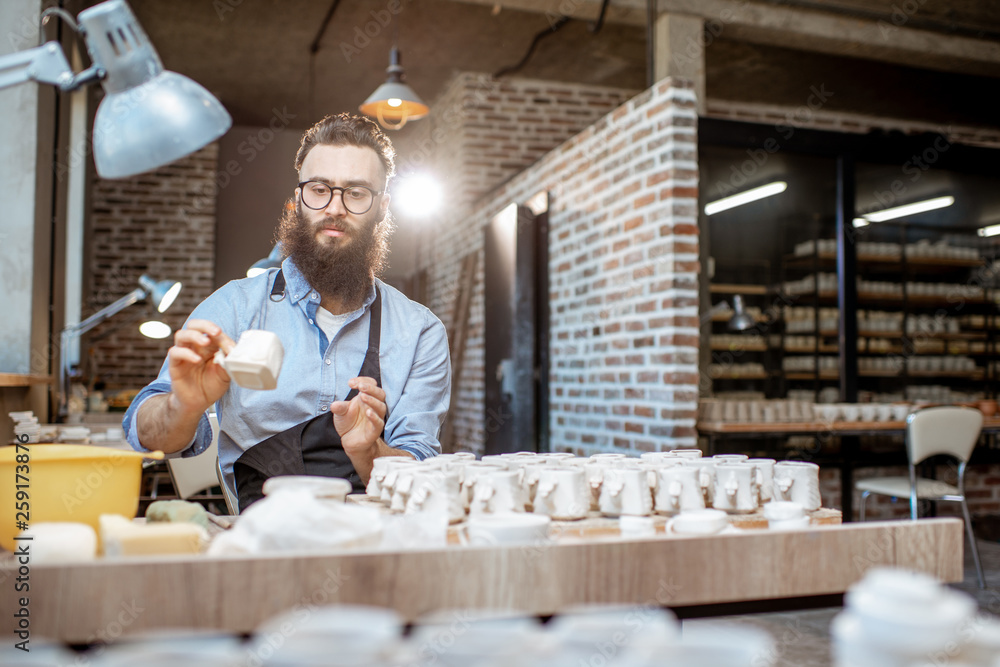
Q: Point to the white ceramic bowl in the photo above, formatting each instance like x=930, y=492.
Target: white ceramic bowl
x=699, y=522
x=325, y=488
x=505, y=529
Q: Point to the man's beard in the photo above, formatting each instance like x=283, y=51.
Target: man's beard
x=343, y=271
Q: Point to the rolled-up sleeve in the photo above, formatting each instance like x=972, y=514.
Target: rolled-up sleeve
x=415, y=421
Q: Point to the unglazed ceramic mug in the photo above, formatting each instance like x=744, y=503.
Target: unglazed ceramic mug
x=625, y=490
x=498, y=492
x=393, y=468
x=798, y=482
x=765, y=478
x=380, y=468
x=562, y=493
x=679, y=488
x=437, y=491
x=736, y=487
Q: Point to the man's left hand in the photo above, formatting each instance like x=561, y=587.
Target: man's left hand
x=360, y=421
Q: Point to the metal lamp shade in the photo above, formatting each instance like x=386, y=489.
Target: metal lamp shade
x=162, y=120
x=741, y=320
x=411, y=107
x=149, y=117
x=162, y=292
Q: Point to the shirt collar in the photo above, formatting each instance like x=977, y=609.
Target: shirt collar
x=298, y=288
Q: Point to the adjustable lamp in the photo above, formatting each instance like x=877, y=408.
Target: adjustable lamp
x=149, y=117
x=162, y=294
x=741, y=320
x=394, y=103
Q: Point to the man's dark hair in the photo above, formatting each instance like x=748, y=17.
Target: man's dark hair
x=346, y=129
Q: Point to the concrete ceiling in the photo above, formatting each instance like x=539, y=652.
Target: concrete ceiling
x=255, y=54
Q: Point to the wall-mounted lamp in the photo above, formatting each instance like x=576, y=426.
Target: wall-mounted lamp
x=162, y=293
x=741, y=319
x=149, y=117
x=394, y=103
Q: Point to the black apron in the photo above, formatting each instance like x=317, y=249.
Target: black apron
x=312, y=447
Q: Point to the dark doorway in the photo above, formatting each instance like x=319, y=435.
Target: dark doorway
x=516, y=333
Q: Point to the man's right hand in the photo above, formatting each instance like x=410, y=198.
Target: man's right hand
x=196, y=381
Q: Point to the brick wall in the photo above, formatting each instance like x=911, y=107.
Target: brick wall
x=162, y=224
x=623, y=267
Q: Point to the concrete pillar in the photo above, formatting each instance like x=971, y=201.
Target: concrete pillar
x=26, y=177
x=680, y=51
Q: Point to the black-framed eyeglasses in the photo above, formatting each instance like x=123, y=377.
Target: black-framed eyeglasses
x=357, y=199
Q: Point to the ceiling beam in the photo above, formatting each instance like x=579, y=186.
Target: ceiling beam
x=888, y=40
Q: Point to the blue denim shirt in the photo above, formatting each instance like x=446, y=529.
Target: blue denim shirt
x=414, y=360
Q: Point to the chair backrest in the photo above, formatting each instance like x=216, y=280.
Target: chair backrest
x=195, y=474
x=944, y=430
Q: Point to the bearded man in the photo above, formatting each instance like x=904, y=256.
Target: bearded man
x=333, y=317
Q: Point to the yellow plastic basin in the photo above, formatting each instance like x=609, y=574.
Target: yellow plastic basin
x=66, y=483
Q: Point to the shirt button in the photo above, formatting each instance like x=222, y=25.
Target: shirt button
x=323, y=408
x=310, y=321
x=327, y=362
x=315, y=296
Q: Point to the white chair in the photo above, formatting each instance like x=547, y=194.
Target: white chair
x=232, y=502
x=930, y=432
x=196, y=474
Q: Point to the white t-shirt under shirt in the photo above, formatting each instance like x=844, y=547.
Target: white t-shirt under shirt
x=330, y=323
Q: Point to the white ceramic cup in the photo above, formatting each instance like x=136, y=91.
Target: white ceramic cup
x=322, y=488
x=437, y=492
x=498, y=492
x=765, y=478
x=255, y=361
x=784, y=515
x=708, y=466
x=380, y=468
x=736, y=487
x=685, y=453
x=798, y=482
x=563, y=493
x=392, y=470
x=679, y=488
x=471, y=471
x=625, y=490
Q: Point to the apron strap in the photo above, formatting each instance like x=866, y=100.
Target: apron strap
x=278, y=289
x=371, y=367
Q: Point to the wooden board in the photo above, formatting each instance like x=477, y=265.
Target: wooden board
x=22, y=380
x=76, y=602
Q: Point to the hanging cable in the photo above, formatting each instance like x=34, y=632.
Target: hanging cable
x=650, y=42
x=313, y=49
x=595, y=28
x=556, y=26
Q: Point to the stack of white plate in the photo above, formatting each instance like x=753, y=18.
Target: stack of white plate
x=26, y=428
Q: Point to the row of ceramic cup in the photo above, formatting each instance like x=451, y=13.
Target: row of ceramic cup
x=865, y=412
x=566, y=487
x=777, y=410
x=354, y=635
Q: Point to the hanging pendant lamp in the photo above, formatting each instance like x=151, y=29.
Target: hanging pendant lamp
x=394, y=103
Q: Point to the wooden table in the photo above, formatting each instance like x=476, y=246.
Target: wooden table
x=77, y=603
